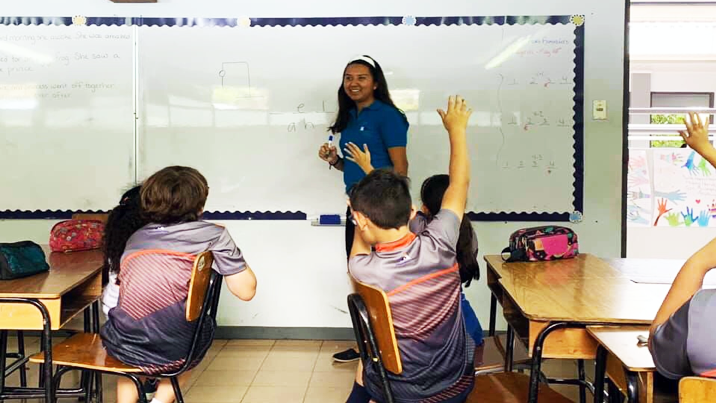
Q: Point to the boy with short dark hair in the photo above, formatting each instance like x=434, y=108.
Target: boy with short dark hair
x=419, y=273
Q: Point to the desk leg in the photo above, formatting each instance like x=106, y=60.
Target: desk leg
x=537, y=358
x=510, y=349
x=493, y=314
x=85, y=376
x=632, y=386
x=615, y=395
x=21, y=352
x=599, y=374
x=3, y=358
x=583, y=379
x=47, y=347
x=95, y=325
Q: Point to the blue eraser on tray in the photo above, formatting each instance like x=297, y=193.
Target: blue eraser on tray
x=329, y=219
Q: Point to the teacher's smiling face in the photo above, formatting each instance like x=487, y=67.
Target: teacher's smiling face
x=359, y=84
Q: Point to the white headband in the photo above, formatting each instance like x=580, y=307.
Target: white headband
x=364, y=59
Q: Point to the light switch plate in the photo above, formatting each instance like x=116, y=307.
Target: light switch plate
x=599, y=110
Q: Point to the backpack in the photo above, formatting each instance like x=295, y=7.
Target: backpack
x=535, y=244
x=21, y=259
x=76, y=235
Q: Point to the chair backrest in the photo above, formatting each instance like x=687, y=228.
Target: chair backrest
x=695, y=389
x=201, y=302
x=381, y=324
x=90, y=216
x=198, y=285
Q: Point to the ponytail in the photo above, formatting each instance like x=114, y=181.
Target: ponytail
x=467, y=253
x=123, y=221
x=431, y=193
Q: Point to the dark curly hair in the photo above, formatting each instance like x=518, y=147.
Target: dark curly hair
x=123, y=221
x=431, y=193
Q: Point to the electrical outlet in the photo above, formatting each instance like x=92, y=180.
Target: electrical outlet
x=599, y=110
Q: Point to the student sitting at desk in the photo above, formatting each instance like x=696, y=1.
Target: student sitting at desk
x=682, y=336
x=147, y=328
x=420, y=275
x=432, y=192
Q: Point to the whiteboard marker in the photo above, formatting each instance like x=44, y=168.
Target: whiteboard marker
x=330, y=144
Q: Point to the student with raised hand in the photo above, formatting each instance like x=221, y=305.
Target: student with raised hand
x=682, y=335
x=420, y=275
x=432, y=192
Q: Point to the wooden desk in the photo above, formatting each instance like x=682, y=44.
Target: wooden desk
x=73, y=283
x=559, y=298
x=628, y=364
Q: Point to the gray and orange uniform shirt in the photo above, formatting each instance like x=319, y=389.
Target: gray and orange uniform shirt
x=684, y=344
x=147, y=328
x=419, y=273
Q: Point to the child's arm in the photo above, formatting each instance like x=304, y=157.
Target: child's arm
x=242, y=284
x=696, y=136
x=360, y=157
x=689, y=280
x=455, y=122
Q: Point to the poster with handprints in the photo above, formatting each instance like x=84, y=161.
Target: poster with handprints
x=684, y=189
x=639, y=201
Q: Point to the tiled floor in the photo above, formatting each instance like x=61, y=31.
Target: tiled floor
x=267, y=371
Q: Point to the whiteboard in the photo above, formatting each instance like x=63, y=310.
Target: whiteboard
x=66, y=116
x=249, y=108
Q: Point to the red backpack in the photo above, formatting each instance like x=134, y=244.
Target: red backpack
x=76, y=235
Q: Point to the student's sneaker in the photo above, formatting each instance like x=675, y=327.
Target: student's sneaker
x=150, y=387
x=346, y=356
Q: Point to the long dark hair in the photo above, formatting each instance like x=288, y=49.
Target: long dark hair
x=123, y=221
x=345, y=104
x=431, y=193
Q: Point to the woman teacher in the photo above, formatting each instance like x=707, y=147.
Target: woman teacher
x=368, y=118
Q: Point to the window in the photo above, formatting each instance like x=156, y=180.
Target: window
x=677, y=100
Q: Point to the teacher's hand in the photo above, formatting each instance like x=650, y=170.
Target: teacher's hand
x=328, y=153
x=360, y=157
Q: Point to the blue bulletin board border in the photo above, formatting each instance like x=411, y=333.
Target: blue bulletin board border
x=578, y=22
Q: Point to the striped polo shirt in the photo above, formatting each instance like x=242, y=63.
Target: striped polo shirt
x=419, y=273
x=147, y=328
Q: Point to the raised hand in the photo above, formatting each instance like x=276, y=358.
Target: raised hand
x=457, y=114
x=360, y=157
x=696, y=135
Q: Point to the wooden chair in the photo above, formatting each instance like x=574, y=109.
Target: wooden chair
x=694, y=389
x=84, y=351
x=378, y=345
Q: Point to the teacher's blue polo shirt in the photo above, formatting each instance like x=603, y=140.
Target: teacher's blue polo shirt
x=380, y=126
